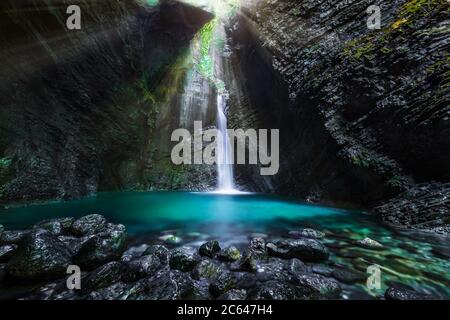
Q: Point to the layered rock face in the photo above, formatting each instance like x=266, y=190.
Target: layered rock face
x=363, y=114
x=79, y=107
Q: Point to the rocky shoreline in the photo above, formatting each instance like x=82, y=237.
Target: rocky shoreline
x=34, y=262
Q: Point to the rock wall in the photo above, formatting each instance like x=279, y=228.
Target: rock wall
x=79, y=107
x=363, y=114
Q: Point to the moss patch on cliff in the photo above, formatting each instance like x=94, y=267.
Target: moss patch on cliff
x=379, y=41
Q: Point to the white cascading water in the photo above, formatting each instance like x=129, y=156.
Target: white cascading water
x=224, y=161
x=221, y=9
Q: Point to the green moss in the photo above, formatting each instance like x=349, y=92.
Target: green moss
x=295, y=12
x=418, y=7
x=360, y=158
x=367, y=46
x=360, y=48
x=397, y=181
x=205, y=65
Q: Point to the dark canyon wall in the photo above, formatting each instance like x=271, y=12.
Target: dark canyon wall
x=79, y=107
x=364, y=115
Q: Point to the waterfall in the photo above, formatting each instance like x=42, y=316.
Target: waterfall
x=210, y=53
x=224, y=166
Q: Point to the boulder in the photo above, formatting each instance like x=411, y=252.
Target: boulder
x=184, y=259
x=140, y=268
x=318, y=285
x=13, y=237
x=116, y=291
x=57, y=226
x=56, y=290
x=102, y=248
x=322, y=269
x=88, y=225
x=308, y=250
x=296, y=265
x=399, y=293
x=257, y=248
x=229, y=254
x=369, y=244
x=160, y=251
x=307, y=233
x=234, y=294
x=209, y=249
x=275, y=290
x=274, y=269
x=73, y=243
x=165, y=285
x=247, y=263
x=206, y=269
x=101, y=277
x=40, y=255
x=134, y=252
x=7, y=251
x=223, y=283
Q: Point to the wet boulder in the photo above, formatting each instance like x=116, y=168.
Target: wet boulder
x=257, y=248
x=13, y=236
x=133, y=252
x=184, y=259
x=296, y=265
x=234, y=294
x=322, y=269
x=307, y=233
x=223, y=283
x=73, y=243
x=40, y=255
x=318, y=285
x=229, y=254
x=275, y=290
x=209, y=249
x=102, y=247
x=57, y=226
x=206, y=269
x=246, y=263
x=369, y=244
x=308, y=250
x=116, y=291
x=274, y=269
x=165, y=285
x=200, y=290
x=103, y=276
x=160, y=251
x=401, y=293
x=7, y=251
x=88, y=225
x=140, y=268
x=56, y=290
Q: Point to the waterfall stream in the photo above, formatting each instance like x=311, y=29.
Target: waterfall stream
x=224, y=161
x=206, y=86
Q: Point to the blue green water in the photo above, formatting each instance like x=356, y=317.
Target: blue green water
x=180, y=217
